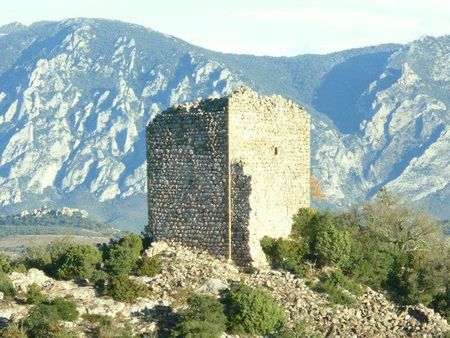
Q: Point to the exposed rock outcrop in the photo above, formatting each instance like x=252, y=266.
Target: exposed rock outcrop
x=188, y=270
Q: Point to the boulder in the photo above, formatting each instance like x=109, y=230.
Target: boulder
x=156, y=248
x=213, y=286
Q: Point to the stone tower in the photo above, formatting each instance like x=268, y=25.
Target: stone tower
x=223, y=173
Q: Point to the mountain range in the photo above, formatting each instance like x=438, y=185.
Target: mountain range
x=76, y=95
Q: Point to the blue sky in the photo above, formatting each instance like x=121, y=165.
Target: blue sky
x=270, y=27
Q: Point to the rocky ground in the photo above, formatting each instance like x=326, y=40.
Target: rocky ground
x=188, y=271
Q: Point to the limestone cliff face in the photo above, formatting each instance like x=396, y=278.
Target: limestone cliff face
x=75, y=97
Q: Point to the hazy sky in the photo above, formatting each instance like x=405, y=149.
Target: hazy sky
x=272, y=27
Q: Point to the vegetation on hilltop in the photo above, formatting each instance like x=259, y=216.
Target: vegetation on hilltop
x=383, y=244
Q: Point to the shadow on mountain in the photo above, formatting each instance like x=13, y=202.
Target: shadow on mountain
x=338, y=94
x=406, y=157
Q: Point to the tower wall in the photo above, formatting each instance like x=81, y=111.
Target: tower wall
x=248, y=149
x=187, y=176
x=270, y=160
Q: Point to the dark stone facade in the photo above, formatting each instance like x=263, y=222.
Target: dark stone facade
x=187, y=180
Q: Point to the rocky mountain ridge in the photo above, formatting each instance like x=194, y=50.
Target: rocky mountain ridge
x=75, y=97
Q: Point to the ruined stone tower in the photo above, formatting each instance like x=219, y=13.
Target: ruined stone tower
x=223, y=173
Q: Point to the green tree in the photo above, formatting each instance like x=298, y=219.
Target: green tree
x=34, y=295
x=149, y=266
x=204, y=318
x=124, y=289
x=43, y=320
x=78, y=261
x=332, y=246
x=252, y=311
x=6, y=286
x=285, y=253
x=5, y=263
x=122, y=256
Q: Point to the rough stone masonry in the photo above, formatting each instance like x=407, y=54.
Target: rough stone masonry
x=223, y=173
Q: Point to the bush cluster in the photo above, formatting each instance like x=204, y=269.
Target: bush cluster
x=122, y=256
x=34, y=295
x=327, y=242
x=107, y=267
x=43, y=321
x=243, y=310
x=285, y=253
x=203, y=317
x=106, y=328
x=79, y=261
x=149, y=266
x=383, y=244
x=124, y=289
x=6, y=286
x=252, y=311
x=5, y=263
x=64, y=260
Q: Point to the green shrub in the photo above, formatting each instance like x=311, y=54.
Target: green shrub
x=418, y=277
x=43, y=319
x=420, y=266
x=124, y=289
x=63, y=332
x=21, y=268
x=107, y=329
x=301, y=228
x=252, y=311
x=325, y=241
x=64, y=260
x=12, y=330
x=336, y=295
x=298, y=331
x=5, y=263
x=339, y=279
x=285, y=253
x=195, y=328
x=37, y=257
x=79, y=261
x=46, y=257
x=369, y=265
x=441, y=303
x=66, y=309
x=149, y=266
x=95, y=318
x=204, y=317
x=6, y=286
x=34, y=295
x=332, y=246
x=100, y=277
x=122, y=256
